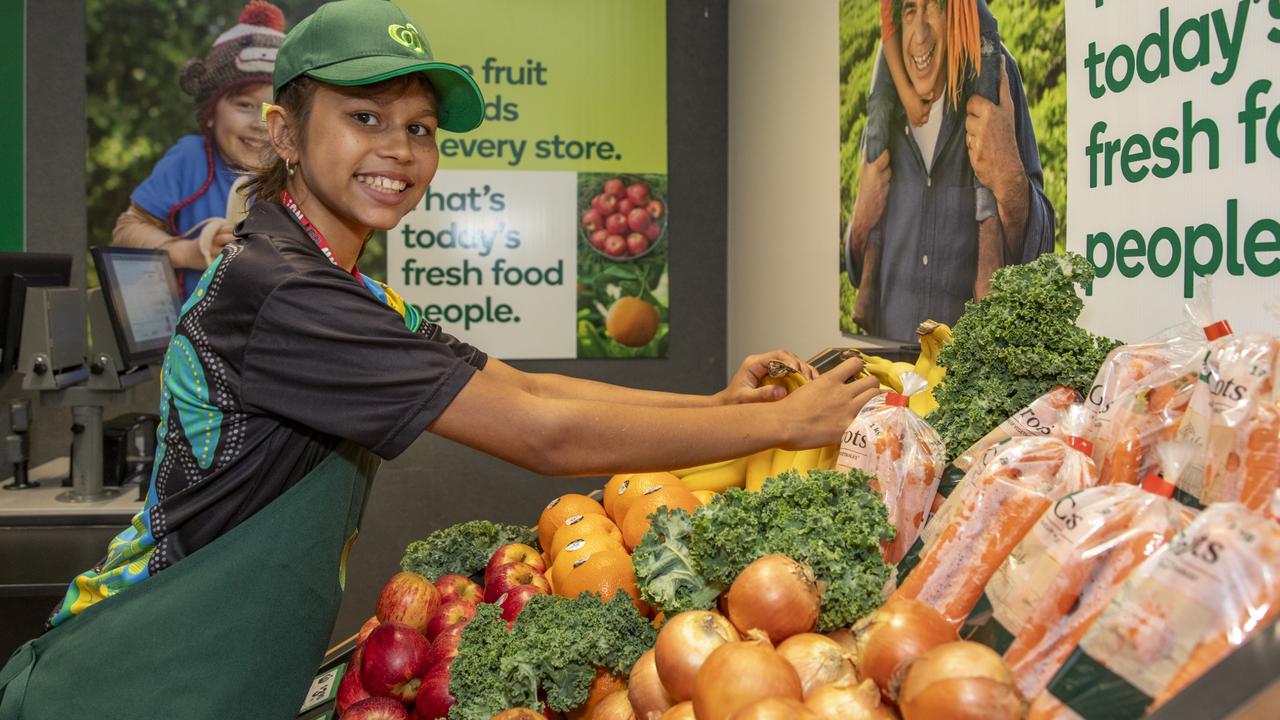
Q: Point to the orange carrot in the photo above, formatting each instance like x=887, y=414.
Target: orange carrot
x=1124, y=461
x=1206, y=655
x=964, y=46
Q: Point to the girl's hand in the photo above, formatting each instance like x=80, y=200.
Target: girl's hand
x=747, y=384
x=225, y=235
x=820, y=412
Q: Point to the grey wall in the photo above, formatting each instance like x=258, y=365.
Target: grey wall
x=435, y=483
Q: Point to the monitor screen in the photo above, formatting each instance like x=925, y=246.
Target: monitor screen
x=142, y=300
x=19, y=271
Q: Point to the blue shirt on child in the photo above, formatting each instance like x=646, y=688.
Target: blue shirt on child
x=178, y=175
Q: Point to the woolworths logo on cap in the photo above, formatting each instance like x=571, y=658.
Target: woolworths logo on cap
x=408, y=36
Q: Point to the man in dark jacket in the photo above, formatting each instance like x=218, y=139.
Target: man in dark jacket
x=913, y=244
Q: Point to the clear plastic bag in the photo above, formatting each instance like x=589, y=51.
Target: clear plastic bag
x=905, y=455
x=1149, y=363
x=1189, y=605
x=994, y=506
x=1057, y=581
x=1242, y=447
x=1134, y=424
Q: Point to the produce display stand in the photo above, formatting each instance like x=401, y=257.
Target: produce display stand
x=1244, y=686
x=321, y=699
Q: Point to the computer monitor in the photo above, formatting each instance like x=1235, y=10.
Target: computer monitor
x=142, y=301
x=19, y=271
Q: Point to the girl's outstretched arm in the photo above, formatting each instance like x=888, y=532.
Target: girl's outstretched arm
x=561, y=436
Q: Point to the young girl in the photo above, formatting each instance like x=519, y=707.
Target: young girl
x=190, y=203
x=289, y=367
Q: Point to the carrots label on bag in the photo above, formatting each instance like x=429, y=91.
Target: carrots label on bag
x=857, y=444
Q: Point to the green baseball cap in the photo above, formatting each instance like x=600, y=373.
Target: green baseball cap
x=361, y=42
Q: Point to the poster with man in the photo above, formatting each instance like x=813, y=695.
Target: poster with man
x=945, y=136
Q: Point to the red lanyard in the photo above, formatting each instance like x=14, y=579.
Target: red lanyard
x=313, y=232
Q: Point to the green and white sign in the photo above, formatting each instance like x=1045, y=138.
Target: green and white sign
x=1173, y=167
x=554, y=210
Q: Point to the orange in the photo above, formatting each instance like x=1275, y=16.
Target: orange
x=633, y=487
x=637, y=522
x=604, y=684
x=589, y=525
x=705, y=496
x=604, y=573
x=575, y=551
x=632, y=322
x=559, y=511
x=611, y=491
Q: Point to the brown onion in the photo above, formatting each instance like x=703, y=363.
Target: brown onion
x=844, y=636
x=684, y=644
x=680, y=711
x=899, y=632
x=776, y=595
x=959, y=681
x=817, y=659
x=775, y=709
x=649, y=699
x=737, y=674
x=613, y=707
x=848, y=700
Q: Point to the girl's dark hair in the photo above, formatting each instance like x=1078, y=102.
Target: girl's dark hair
x=296, y=97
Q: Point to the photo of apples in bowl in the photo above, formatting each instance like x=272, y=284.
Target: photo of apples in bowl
x=622, y=217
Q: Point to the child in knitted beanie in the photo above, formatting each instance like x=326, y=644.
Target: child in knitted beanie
x=192, y=200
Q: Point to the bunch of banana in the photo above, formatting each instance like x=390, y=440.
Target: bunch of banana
x=933, y=337
x=889, y=373
x=784, y=375
x=717, y=477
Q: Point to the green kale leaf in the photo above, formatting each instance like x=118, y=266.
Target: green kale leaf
x=1014, y=346
x=665, y=570
x=832, y=521
x=555, y=647
x=464, y=548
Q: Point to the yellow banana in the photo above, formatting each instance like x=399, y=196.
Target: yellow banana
x=782, y=462
x=806, y=460
x=685, y=472
x=883, y=370
x=782, y=374
x=933, y=337
x=758, y=466
x=720, y=478
x=896, y=369
x=827, y=461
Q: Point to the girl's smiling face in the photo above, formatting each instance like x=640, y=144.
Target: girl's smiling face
x=238, y=128
x=366, y=157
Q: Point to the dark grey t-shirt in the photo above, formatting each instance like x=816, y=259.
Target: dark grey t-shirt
x=279, y=355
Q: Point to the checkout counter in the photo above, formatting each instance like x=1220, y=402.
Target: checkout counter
x=57, y=517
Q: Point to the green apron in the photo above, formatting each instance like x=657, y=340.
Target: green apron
x=236, y=630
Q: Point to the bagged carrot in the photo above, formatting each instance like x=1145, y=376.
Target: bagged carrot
x=1237, y=378
x=904, y=455
x=1213, y=587
x=1149, y=413
x=1057, y=581
x=989, y=513
x=1148, y=363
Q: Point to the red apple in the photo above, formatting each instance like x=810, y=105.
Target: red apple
x=395, y=656
x=458, y=587
x=598, y=237
x=445, y=646
x=637, y=243
x=638, y=219
x=606, y=204
x=434, y=699
x=377, y=708
x=655, y=209
x=625, y=206
x=365, y=629
x=408, y=598
x=592, y=219
x=507, y=577
x=350, y=691
x=615, y=246
x=457, y=612
x=514, y=552
x=652, y=232
x=514, y=600
x=638, y=193
x=613, y=186
x=616, y=223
